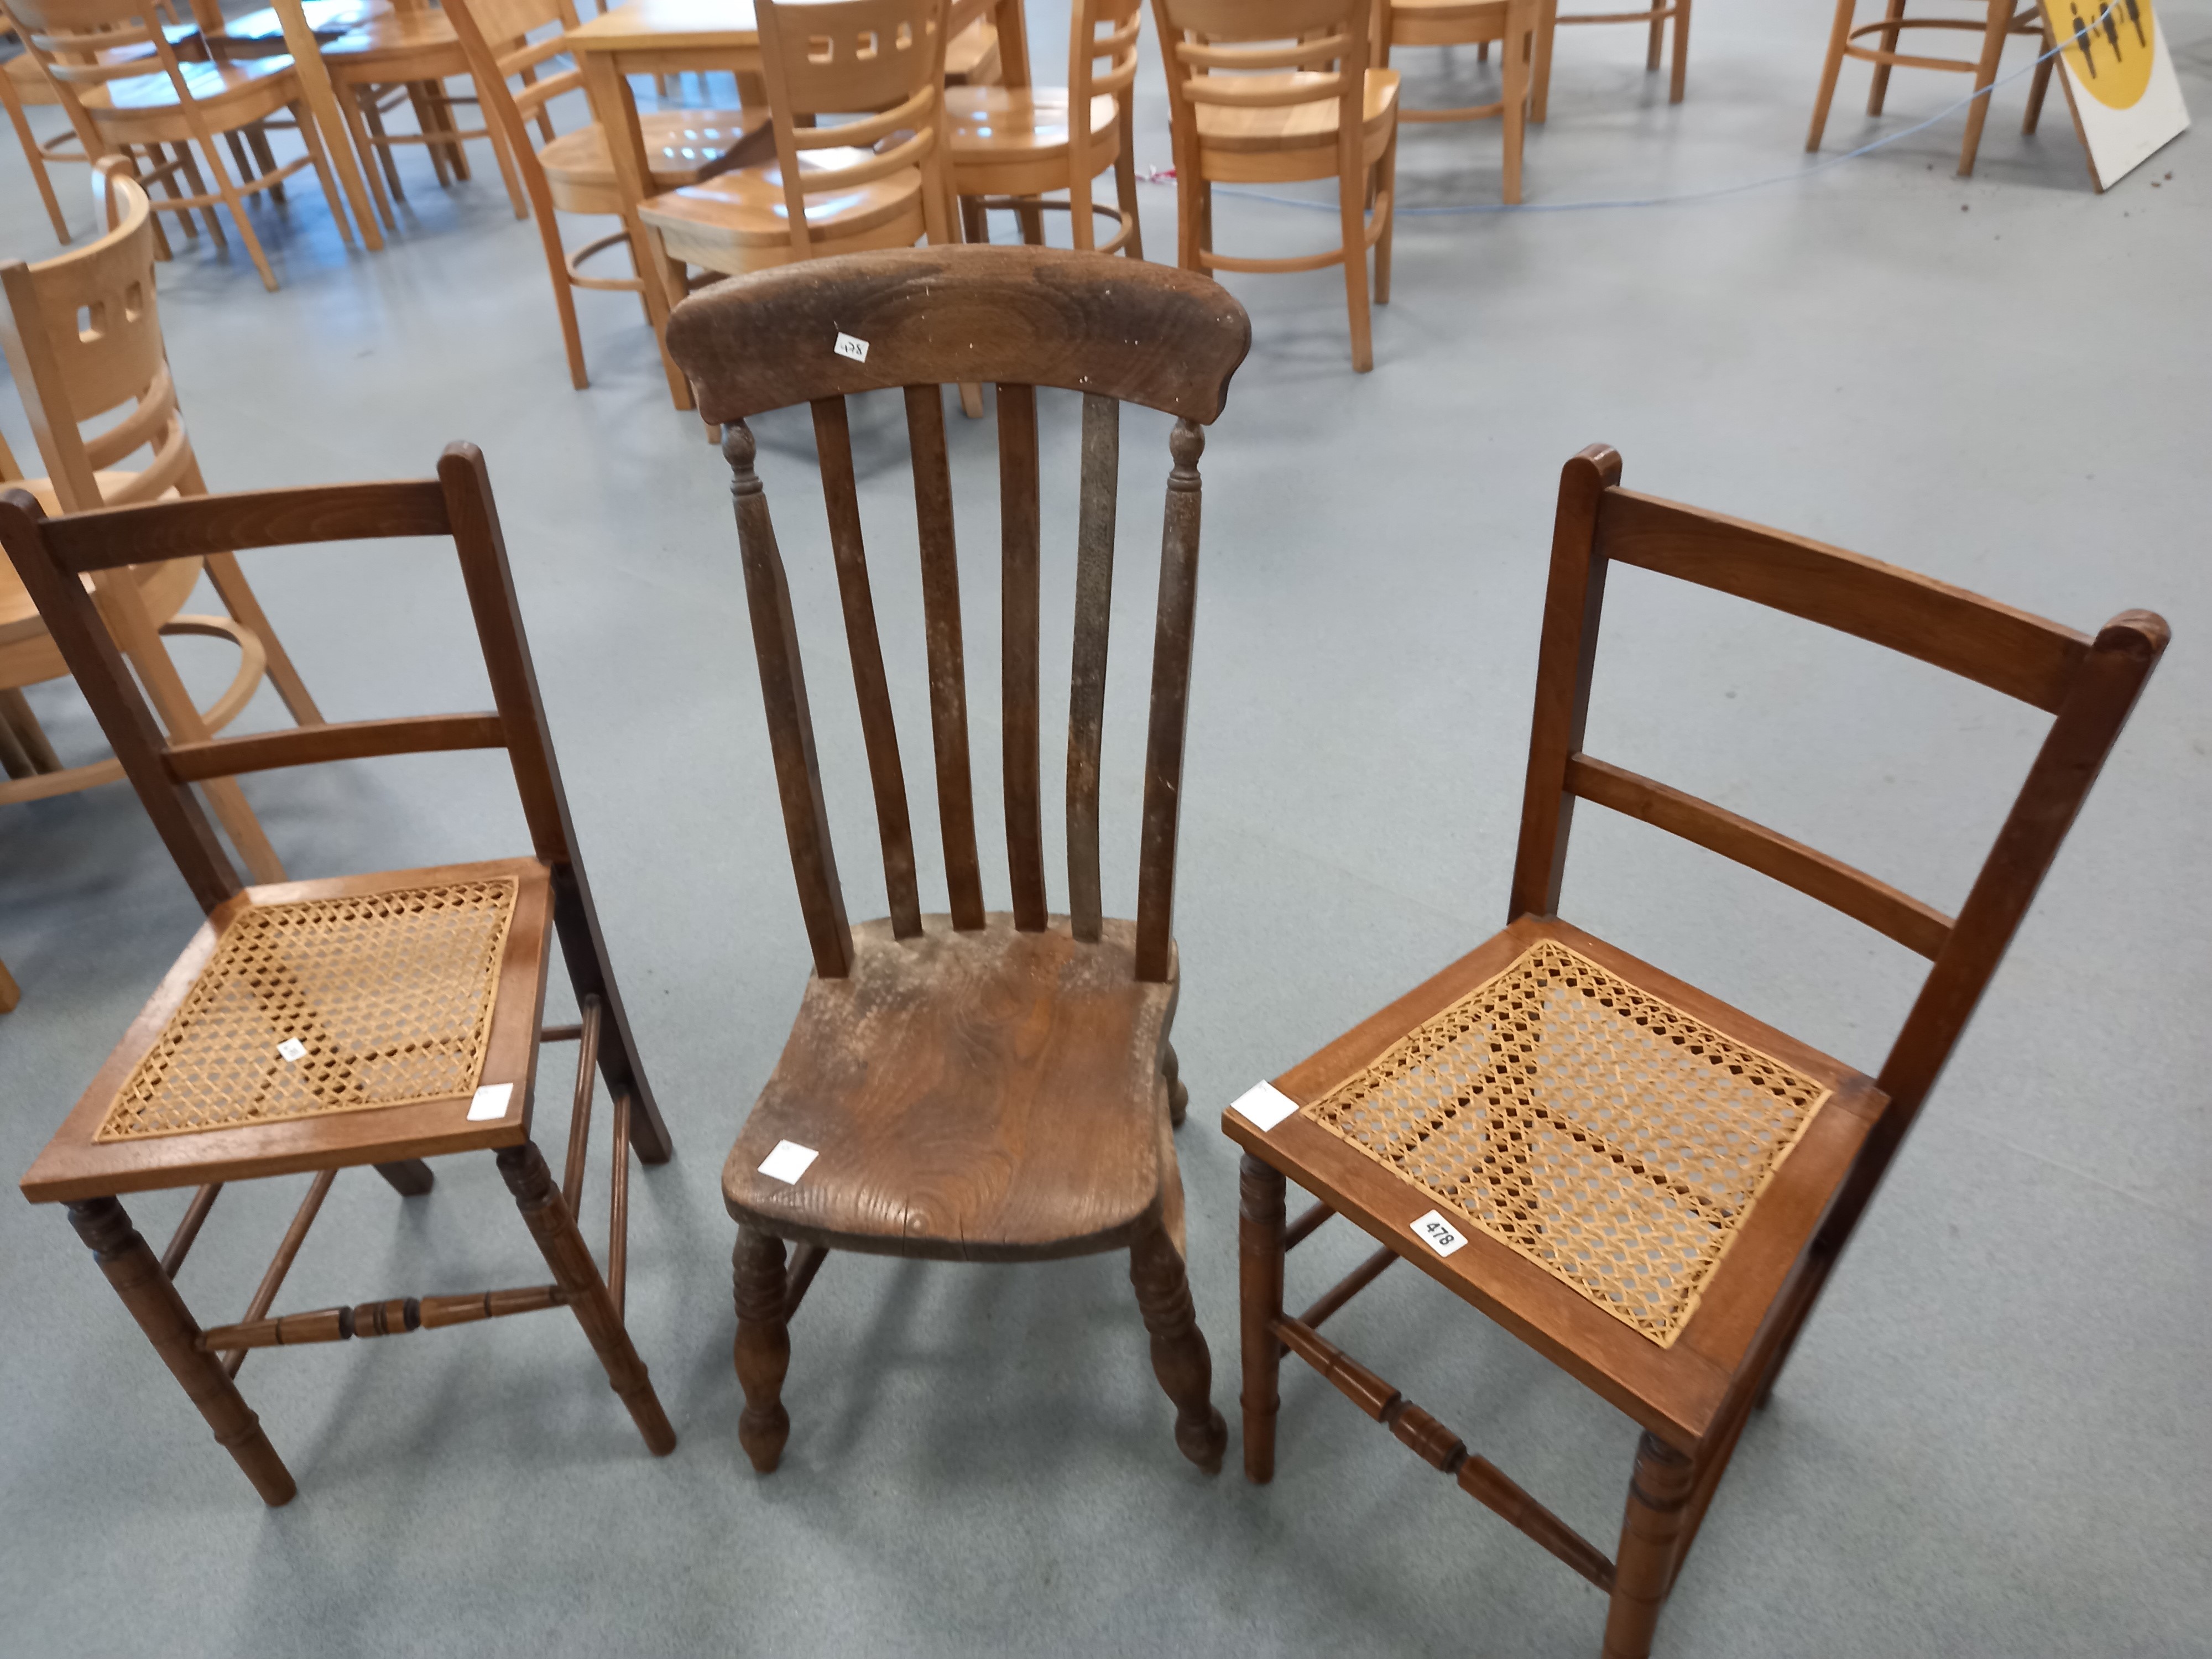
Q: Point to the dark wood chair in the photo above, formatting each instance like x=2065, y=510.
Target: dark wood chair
x=1648, y=1186
x=318, y=1025
x=976, y=1086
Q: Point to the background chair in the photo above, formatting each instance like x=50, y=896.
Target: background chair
x=1302, y=104
x=83, y=338
x=979, y=1086
x=1522, y=25
x=1999, y=22
x=1648, y=1186
x=1654, y=16
x=319, y=1025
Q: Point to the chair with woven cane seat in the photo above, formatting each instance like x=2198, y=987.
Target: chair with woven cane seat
x=1011, y=145
x=1519, y=25
x=82, y=333
x=1269, y=91
x=1647, y=1186
x=1655, y=17
x=573, y=173
x=2002, y=20
x=976, y=1086
x=370, y=1020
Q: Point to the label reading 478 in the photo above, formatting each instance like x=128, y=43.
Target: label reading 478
x=1438, y=1234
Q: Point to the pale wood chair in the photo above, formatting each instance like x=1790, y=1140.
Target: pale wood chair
x=1655, y=17
x=2002, y=20
x=1647, y=1186
x=1521, y=26
x=1011, y=145
x=10, y=995
x=367, y=1020
x=978, y=1086
x=118, y=104
x=573, y=171
x=1263, y=92
x=878, y=180
x=82, y=333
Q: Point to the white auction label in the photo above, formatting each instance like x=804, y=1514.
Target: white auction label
x=847, y=346
x=788, y=1162
x=490, y=1103
x=1264, y=1105
x=292, y=1049
x=1438, y=1234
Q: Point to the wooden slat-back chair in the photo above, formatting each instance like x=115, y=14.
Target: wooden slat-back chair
x=573, y=171
x=1270, y=91
x=2001, y=21
x=1011, y=145
x=82, y=333
x=1519, y=25
x=982, y=1085
x=371, y=1019
x=1647, y=1186
x=1654, y=17
x=117, y=105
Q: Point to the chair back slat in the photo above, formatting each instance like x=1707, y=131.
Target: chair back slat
x=833, y=444
x=1103, y=33
x=1086, y=691
x=200, y=524
x=1018, y=629
x=262, y=751
x=842, y=57
x=948, y=671
x=1163, y=743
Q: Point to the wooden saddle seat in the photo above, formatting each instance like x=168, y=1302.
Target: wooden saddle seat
x=740, y=221
x=1292, y=140
x=974, y=1095
x=146, y=109
x=1014, y=139
x=680, y=143
x=410, y=990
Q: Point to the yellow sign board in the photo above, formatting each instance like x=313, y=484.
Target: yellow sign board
x=2120, y=79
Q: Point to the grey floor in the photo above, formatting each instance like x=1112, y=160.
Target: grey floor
x=1993, y=1440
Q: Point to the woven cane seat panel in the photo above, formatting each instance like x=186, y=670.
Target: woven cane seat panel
x=389, y=994
x=1603, y=1133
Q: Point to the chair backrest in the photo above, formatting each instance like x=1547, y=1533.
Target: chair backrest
x=494, y=36
x=1023, y=318
x=880, y=60
x=83, y=337
x=1098, y=63
x=1244, y=54
x=52, y=554
x=2090, y=685
x=76, y=42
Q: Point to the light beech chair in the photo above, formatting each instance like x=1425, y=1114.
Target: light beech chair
x=1646, y=1185
x=1655, y=17
x=1263, y=92
x=377, y=1019
x=2002, y=20
x=1520, y=25
x=83, y=338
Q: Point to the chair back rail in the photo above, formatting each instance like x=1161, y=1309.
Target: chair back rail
x=1085, y=323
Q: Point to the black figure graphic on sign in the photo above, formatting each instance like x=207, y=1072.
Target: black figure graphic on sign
x=2084, y=42
x=2113, y=27
x=2134, y=16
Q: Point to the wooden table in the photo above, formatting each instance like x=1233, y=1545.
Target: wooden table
x=677, y=37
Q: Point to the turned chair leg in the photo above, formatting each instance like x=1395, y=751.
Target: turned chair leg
x=1178, y=1095
x=1180, y=1359
x=131, y=1266
x=763, y=1354
x=1260, y=1272
x=547, y=1214
x=1658, y=1494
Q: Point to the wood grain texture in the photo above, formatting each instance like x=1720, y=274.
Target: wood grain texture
x=198, y=525
x=1094, y=615
x=979, y=1095
x=1164, y=748
x=1019, y=629
x=948, y=663
x=261, y=752
x=1086, y=322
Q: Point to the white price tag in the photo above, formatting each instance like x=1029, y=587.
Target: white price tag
x=490, y=1103
x=788, y=1162
x=847, y=346
x=1264, y=1105
x=292, y=1049
x=1438, y=1234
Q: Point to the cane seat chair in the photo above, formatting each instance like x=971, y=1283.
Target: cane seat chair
x=1648, y=1186
x=1521, y=26
x=573, y=171
x=82, y=334
x=2002, y=20
x=376, y=1019
x=1011, y=145
x=978, y=1085
x=1270, y=91
x=117, y=104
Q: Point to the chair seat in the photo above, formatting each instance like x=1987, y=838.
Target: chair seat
x=412, y=39
x=409, y=992
x=972, y=1095
x=227, y=90
x=1635, y=1167
x=739, y=220
x=1222, y=127
x=994, y=124
x=678, y=142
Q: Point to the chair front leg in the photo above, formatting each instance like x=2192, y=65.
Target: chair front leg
x=763, y=1354
x=132, y=1268
x=1180, y=1358
x=1259, y=1274
x=1658, y=1495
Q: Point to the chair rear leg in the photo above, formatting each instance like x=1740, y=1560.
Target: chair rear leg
x=1658, y=1492
x=546, y=1214
x=1878, y=88
x=1260, y=1297
x=1658, y=36
x=763, y=1354
x=1838, y=38
x=1180, y=1358
x=1985, y=75
x=132, y=1268
x=1350, y=200
x=36, y=157
x=1681, y=51
x=1178, y=1095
